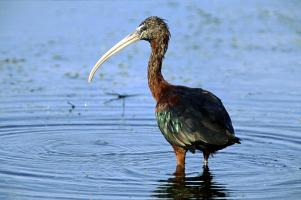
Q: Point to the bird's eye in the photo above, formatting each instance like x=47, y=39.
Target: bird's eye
x=141, y=28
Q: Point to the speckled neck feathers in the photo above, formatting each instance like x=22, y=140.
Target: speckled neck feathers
x=156, y=82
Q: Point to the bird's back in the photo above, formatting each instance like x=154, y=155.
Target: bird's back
x=194, y=118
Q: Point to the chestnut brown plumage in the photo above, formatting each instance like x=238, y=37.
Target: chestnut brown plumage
x=189, y=118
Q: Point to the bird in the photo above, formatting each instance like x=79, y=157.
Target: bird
x=190, y=119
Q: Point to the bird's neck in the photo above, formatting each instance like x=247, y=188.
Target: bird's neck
x=156, y=82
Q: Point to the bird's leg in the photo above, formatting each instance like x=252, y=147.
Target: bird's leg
x=180, y=156
x=206, y=156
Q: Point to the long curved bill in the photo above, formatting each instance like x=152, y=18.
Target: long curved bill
x=117, y=47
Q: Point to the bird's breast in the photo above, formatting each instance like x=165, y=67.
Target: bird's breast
x=167, y=101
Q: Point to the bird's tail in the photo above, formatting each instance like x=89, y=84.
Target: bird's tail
x=236, y=140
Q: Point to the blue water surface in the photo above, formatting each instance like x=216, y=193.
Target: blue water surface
x=62, y=138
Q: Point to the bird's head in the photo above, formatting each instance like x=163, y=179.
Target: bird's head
x=152, y=28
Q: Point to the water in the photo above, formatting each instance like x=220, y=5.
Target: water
x=62, y=138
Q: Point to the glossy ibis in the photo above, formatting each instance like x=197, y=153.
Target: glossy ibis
x=189, y=118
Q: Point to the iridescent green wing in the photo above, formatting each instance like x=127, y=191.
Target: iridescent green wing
x=198, y=117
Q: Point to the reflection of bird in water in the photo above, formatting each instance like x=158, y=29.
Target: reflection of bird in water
x=189, y=118
x=199, y=187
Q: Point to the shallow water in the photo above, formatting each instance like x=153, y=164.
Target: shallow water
x=62, y=138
